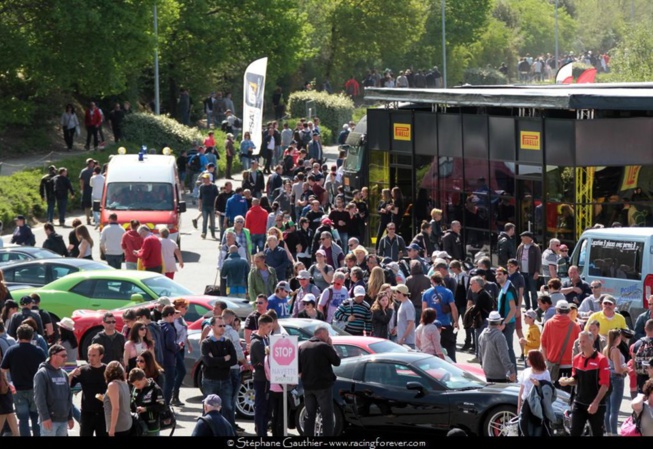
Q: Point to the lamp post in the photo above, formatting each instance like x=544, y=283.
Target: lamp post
x=556, y=36
x=157, y=107
x=444, y=49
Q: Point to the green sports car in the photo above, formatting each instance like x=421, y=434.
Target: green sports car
x=102, y=289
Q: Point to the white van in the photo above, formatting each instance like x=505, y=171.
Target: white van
x=622, y=258
x=145, y=189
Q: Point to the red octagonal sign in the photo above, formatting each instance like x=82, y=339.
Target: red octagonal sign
x=283, y=352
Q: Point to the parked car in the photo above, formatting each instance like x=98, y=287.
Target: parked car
x=89, y=322
x=104, y=289
x=39, y=272
x=413, y=393
x=11, y=254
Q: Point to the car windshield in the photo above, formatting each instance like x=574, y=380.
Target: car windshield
x=139, y=196
x=387, y=346
x=447, y=374
x=163, y=286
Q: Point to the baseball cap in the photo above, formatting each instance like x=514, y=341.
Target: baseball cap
x=303, y=274
x=414, y=246
x=213, y=400
x=608, y=298
x=526, y=234
x=437, y=263
x=494, y=317
x=441, y=255
x=206, y=176
x=327, y=221
x=359, y=290
x=401, y=288
x=309, y=298
x=321, y=252
x=210, y=164
x=531, y=314
x=562, y=305
x=164, y=301
x=284, y=285
x=564, y=248
x=26, y=300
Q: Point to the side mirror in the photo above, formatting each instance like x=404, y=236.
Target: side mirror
x=96, y=206
x=181, y=207
x=415, y=386
x=136, y=297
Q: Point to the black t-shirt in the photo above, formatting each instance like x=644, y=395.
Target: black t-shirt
x=22, y=361
x=92, y=382
x=251, y=322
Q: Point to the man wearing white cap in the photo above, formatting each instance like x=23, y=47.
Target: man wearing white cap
x=557, y=342
x=356, y=312
x=305, y=288
x=493, y=350
x=212, y=423
x=609, y=318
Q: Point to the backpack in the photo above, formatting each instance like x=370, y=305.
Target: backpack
x=194, y=163
x=643, y=355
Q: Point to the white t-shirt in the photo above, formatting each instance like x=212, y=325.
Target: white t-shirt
x=525, y=380
x=338, y=297
x=97, y=185
x=168, y=248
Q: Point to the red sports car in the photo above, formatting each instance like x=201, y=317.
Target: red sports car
x=89, y=322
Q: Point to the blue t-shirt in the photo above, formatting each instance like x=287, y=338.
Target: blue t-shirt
x=506, y=294
x=433, y=301
x=280, y=305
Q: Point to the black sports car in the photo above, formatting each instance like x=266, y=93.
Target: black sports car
x=416, y=392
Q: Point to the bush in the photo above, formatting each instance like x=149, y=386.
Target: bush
x=158, y=131
x=333, y=110
x=484, y=77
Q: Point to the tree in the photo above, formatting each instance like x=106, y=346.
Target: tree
x=631, y=61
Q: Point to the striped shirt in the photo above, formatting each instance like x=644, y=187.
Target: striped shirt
x=363, y=322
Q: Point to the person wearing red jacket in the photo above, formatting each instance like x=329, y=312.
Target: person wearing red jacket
x=92, y=121
x=150, y=252
x=131, y=241
x=256, y=220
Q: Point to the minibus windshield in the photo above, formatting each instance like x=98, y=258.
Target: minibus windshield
x=139, y=196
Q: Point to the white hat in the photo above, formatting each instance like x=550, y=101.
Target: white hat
x=309, y=298
x=164, y=301
x=359, y=290
x=562, y=305
x=67, y=323
x=494, y=317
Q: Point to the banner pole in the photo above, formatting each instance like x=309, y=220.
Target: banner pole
x=285, y=410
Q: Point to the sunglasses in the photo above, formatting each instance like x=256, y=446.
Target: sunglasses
x=220, y=325
x=142, y=329
x=596, y=286
x=260, y=303
x=110, y=322
x=140, y=361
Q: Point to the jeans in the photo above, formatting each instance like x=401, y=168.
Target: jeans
x=114, y=261
x=180, y=369
x=224, y=389
x=59, y=429
x=261, y=407
x=613, y=403
x=276, y=404
x=26, y=411
x=530, y=291
x=69, y=137
x=50, y=210
x=169, y=382
x=92, y=422
x=91, y=131
x=131, y=265
x=509, y=332
x=579, y=416
x=245, y=161
x=208, y=213
x=234, y=376
x=258, y=242
x=62, y=202
x=324, y=400
x=477, y=333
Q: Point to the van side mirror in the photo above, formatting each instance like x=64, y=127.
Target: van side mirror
x=181, y=207
x=96, y=205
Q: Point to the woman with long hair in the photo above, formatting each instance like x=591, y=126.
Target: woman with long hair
x=69, y=125
x=247, y=148
x=382, y=312
x=117, y=410
x=137, y=343
x=529, y=378
x=73, y=241
x=374, y=283
x=7, y=414
x=279, y=235
x=147, y=362
x=427, y=334
x=385, y=212
x=8, y=310
x=247, y=183
x=85, y=242
x=398, y=207
x=618, y=370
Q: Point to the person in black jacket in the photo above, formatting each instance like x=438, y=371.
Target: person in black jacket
x=259, y=344
x=23, y=233
x=218, y=356
x=46, y=190
x=507, y=245
x=62, y=186
x=452, y=242
x=91, y=378
x=147, y=401
x=170, y=349
x=54, y=242
x=212, y=423
x=113, y=342
x=316, y=360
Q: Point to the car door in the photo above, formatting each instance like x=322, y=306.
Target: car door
x=113, y=293
x=384, y=402
x=31, y=274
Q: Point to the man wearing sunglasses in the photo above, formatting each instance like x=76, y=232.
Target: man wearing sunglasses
x=113, y=342
x=52, y=394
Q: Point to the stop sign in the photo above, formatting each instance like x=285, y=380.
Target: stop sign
x=284, y=352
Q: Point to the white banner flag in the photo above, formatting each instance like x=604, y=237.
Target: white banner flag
x=253, y=91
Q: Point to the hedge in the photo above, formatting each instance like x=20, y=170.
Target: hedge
x=158, y=131
x=333, y=110
x=484, y=77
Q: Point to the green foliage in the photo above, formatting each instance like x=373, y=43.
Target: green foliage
x=333, y=110
x=160, y=131
x=632, y=58
x=497, y=44
x=484, y=77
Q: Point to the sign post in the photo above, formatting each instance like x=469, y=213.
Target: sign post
x=284, y=368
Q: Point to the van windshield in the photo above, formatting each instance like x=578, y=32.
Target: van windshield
x=139, y=196
x=354, y=159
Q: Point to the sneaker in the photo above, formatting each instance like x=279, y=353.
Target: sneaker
x=474, y=360
x=465, y=347
x=203, y=236
x=176, y=402
x=195, y=223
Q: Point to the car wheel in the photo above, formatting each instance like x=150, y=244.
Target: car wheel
x=245, y=400
x=496, y=423
x=87, y=341
x=199, y=376
x=300, y=417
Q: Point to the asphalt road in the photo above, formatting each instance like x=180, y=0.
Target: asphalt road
x=200, y=259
